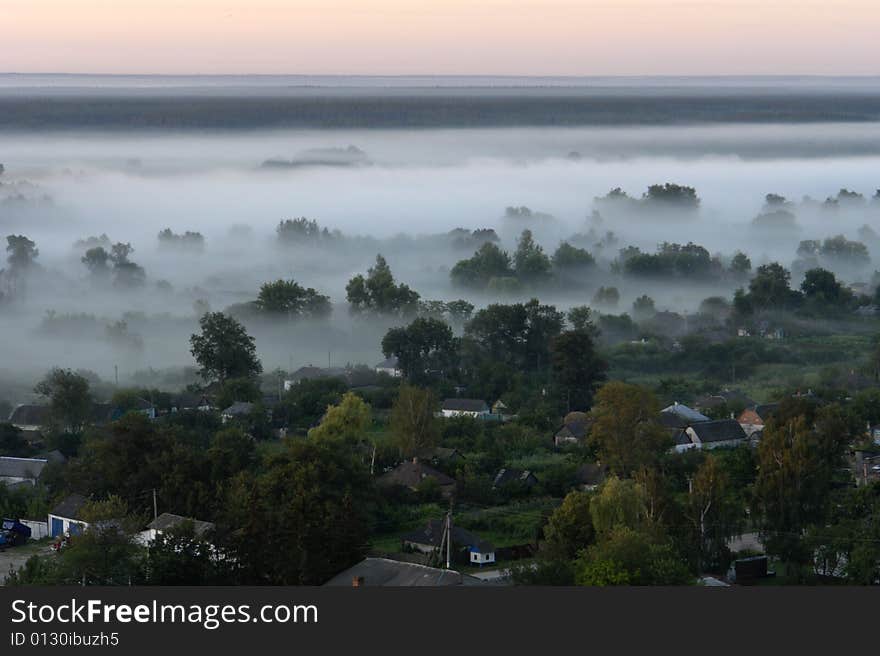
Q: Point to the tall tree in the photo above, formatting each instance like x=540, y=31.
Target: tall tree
x=70, y=400
x=413, y=422
x=424, y=349
x=379, y=293
x=577, y=368
x=224, y=349
x=347, y=421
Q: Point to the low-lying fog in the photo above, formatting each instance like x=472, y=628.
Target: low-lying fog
x=397, y=186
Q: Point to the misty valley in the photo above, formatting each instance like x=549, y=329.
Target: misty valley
x=595, y=344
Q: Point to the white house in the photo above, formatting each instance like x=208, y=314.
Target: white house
x=464, y=408
x=167, y=521
x=66, y=517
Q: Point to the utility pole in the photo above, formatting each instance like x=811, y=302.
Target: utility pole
x=155, y=506
x=116, y=374
x=448, y=539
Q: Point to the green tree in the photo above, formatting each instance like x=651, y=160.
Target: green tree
x=70, y=400
x=348, y=421
x=577, y=367
x=488, y=263
x=713, y=514
x=570, y=528
x=378, y=292
x=22, y=253
x=97, y=261
x=625, y=428
x=630, y=557
x=224, y=349
x=424, y=349
x=413, y=423
x=530, y=263
x=287, y=297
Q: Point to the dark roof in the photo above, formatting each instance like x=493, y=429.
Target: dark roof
x=685, y=413
x=680, y=437
x=21, y=467
x=166, y=521
x=719, y=431
x=575, y=429
x=507, y=475
x=439, y=453
x=387, y=363
x=29, y=414
x=70, y=507
x=465, y=405
x=672, y=420
x=411, y=474
x=102, y=413
x=432, y=535
x=385, y=572
x=591, y=473
x=722, y=397
x=310, y=372
x=766, y=410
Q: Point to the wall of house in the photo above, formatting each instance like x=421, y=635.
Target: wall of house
x=62, y=525
x=39, y=529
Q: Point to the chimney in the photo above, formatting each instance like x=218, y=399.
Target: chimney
x=357, y=582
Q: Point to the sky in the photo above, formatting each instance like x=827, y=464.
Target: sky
x=442, y=37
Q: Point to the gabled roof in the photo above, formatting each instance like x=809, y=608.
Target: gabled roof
x=70, y=507
x=722, y=430
x=575, y=429
x=465, y=405
x=166, y=521
x=386, y=572
x=21, y=467
x=432, y=535
x=387, y=363
x=30, y=414
x=507, y=475
x=410, y=474
x=688, y=414
x=766, y=410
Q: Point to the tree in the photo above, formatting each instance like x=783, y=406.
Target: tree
x=530, y=263
x=768, y=290
x=348, y=421
x=740, y=264
x=625, y=429
x=377, y=292
x=287, y=297
x=126, y=274
x=577, y=367
x=607, y=296
x=224, y=349
x=671, y=195
x=619, y=502
x=712, y=513
x=570, y=528
x=180, y=556
x=571, y=258
x=70, y=401
x=643, y=307
x=97, y=261
x=424, y=348
x=581, y=318
x=22, y=253
x=12, y=442
x=822, y=289
x=413, y=424
x=630, y=557
x=302, y=519
x=488, y=263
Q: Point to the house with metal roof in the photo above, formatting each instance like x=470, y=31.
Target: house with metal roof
x=16, y=471
x=464, y=408
x=714, y=434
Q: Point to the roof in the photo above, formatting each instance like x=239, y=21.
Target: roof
x=29, y=414
x=21, y=467
x=310, y=372
x=575, y=429
x=411, y=474
x=439, y=453
x=722, y=430
x=591, y=473
x=239, y=408
x=465, y=405
x=688, y=414
x=166, y=521
x=70, y=507
x=432, y=535
x=510, y=475
x=766, y=410
x=386, y=572
x=680, y=437
x=387, y=363
x=724, y=396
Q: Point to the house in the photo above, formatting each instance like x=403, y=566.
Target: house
x=167, y=521
x=188, y=401
x=388, y=366
x=140, y=405
x=394, y=573
x=510, y=476
x=713, y=434
x=755, y=418
x=237, y=410
x=684, y=413
x=15, y=471
x=30, y=417
x=681, y=440
x=429, y=539
x=590, y=476
x=464, y=408
x=500, y=408
x=439, y=454
x=66, y=517
x=572, y=433
x=412, y=473
x=310, y=372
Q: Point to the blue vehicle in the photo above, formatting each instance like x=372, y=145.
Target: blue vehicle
x=13, y=533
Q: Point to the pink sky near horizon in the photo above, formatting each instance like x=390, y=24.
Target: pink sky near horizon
x=452, y=37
